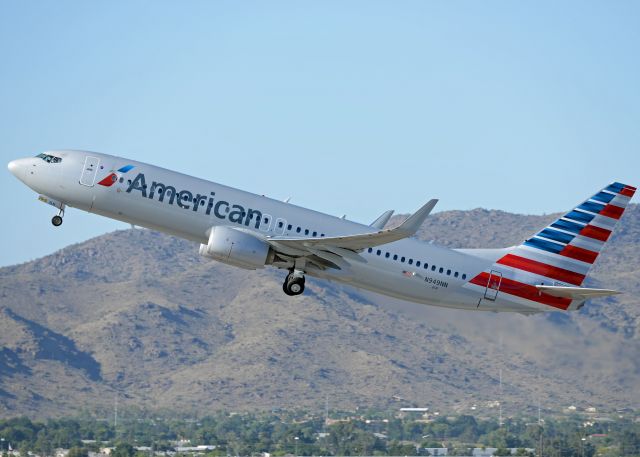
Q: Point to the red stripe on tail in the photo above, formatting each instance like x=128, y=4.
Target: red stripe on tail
x=577, y=253
x=542, y=269
x=612, y=211
x=628, y=191
x=596, y=233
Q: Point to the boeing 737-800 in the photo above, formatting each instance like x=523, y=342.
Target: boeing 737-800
x=250, y=231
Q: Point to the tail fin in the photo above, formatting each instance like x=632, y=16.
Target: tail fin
x=565, y=250
x=562, y=253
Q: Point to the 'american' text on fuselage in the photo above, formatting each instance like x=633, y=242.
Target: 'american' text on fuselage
x=186, y=200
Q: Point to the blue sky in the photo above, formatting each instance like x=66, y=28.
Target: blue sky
x=348, y=107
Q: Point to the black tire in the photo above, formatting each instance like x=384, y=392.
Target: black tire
x=295, y=286
x=285, y=289
x=56, y=221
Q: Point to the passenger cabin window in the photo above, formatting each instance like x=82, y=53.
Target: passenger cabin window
x=306, y=231
x=289, y=227
x=455, y=275
x=315, y=234
x=298, y=229
x=440, y=270
x=387, y=255
x=448, y=272
x=280, y=224
x=410, y=262
x=418, y=263
x=395, y=257
x=370, y=250
x=378, y=252
x=402, y=259
x=433, y=268
x=464, y=276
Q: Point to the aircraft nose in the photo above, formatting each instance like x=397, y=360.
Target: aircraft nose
x=17, y=168
x=13, y=166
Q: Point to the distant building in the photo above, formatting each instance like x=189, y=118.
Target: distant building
x=96, y=454
x=490, y=451
x=437, y=451
x=483, y=452
x=200, y=448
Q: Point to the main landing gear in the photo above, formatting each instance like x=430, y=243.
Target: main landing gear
x=294, y=283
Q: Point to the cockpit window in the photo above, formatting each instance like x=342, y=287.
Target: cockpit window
x=49, y=158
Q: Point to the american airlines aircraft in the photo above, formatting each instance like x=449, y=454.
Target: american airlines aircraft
x=544, y=273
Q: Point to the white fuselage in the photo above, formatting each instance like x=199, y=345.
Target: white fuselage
x=196, y=205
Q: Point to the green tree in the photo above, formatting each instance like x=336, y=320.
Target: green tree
x=396, y=448
x=42, y=445
x=630, y=443
x=123, y=450
x=77, y=452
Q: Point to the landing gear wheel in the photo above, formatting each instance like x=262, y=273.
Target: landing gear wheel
x=285, y=288
x=56, y=221
x=293, y=285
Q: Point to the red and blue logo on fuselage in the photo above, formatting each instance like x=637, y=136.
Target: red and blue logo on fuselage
x=114, y=175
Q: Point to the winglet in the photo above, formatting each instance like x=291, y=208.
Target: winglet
x=413, y=223
x=382, y=220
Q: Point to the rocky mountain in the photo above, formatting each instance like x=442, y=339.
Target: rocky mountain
x=139, y=315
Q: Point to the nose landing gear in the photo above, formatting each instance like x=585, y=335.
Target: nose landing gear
x=294, y=283
x=57, y=219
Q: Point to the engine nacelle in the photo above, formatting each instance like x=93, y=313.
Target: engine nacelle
x=237, y=248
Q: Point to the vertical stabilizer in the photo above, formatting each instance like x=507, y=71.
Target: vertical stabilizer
x=562, y=253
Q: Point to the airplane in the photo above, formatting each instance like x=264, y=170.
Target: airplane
x=544, y=273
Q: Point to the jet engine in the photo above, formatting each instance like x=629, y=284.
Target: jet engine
x=237, y=248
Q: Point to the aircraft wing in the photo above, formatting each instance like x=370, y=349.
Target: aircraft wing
x=576, y=293
x=338, y=249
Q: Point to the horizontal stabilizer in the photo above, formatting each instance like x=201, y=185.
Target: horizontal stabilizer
x=576, y=293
